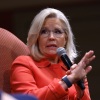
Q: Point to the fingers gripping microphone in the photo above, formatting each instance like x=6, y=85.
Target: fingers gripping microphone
x=63, y=55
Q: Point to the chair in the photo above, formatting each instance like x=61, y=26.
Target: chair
x=10, y=48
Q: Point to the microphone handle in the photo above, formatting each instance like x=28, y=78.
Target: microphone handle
x=68, y=64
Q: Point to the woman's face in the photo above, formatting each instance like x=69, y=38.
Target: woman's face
x=51, y=37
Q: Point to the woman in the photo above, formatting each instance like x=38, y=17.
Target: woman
x=43, y=73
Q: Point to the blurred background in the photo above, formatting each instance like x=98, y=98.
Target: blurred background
x=84, y=17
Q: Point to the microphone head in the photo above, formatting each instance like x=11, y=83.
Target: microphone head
x=61, y=51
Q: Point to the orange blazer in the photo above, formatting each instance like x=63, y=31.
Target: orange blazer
x=41, y=80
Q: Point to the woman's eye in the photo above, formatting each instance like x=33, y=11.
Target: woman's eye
x=43, y=31
x=58, y=31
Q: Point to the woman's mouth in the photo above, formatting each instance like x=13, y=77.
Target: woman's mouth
x=51, y=46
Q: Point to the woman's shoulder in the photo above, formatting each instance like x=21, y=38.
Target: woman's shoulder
x=22, y=62
x=23, y=59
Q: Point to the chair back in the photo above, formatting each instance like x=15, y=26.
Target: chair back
x=10, y=48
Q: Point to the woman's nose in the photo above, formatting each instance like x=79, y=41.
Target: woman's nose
x=51, y=35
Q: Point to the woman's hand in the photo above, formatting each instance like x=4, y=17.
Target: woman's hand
x=80, y=70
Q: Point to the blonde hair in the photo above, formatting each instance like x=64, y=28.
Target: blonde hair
x=37, y=23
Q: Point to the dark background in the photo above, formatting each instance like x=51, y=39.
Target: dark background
x=84, y=17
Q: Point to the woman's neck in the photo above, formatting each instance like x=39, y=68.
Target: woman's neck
x=53, y=60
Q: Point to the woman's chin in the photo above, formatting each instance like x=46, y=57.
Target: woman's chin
x=51, y=54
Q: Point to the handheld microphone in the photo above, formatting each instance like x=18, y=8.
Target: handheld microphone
x=63, y=55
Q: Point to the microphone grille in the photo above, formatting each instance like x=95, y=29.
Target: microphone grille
x=61, y=51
